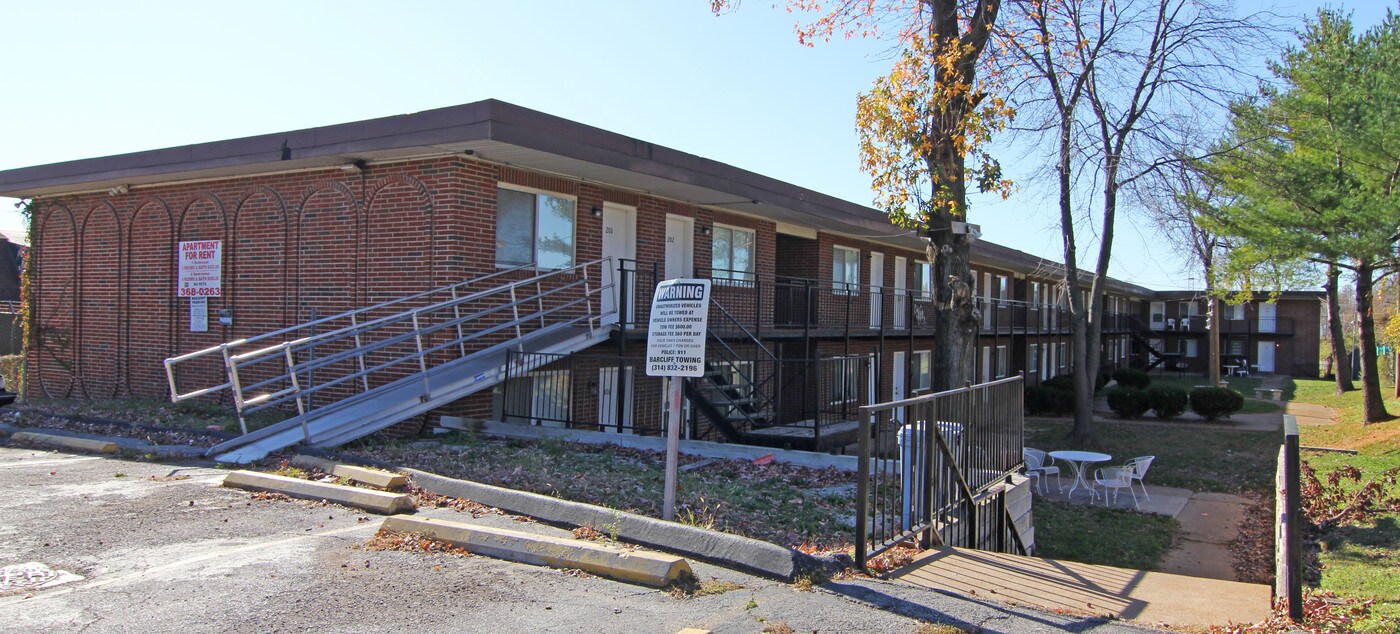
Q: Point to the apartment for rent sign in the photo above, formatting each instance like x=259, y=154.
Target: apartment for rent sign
x=201, y=268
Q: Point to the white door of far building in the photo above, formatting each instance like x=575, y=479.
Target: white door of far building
x=1268, y=317
x=1265, y=359
x=680, y=247
x=897, y=383
x=619, y=243
x=611, y=401
x=877, y=283
x=901, y=287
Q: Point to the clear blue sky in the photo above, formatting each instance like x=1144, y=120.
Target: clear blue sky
x=86, y=79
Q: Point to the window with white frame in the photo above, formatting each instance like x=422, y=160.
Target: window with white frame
x=1190, y=348
x=923, y=281
x=1234, y=312
x=845, y=379
x=923, y=369
x=732, y=254
x=1064, y=361
x=534, y=228
x=845, y=271
x=1002, y=360
x=1033, y=359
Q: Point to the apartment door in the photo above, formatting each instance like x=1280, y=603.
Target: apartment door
x=1268, y=317
x=1158, y=320
x=619, y=243
x=901, y=289
x=611, y=401
x=680, y=247
x=897, y=384
x=877, y=283
x=1265, y=359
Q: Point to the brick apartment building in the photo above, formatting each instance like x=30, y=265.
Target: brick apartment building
x=818, y=310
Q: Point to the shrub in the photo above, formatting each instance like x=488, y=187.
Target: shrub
x=10, y=367
x=1128, y=402
x=1213, y=403
x=1066, y=381
x=1129, y=377
x=1049, y=400
x=1167, y=401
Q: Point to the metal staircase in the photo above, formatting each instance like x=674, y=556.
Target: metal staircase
x=728, y=394
x=355, y=373
x=1158, y=357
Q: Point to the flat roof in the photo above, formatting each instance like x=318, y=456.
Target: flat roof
x=505, y=133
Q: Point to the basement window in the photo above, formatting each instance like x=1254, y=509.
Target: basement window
x=534, y=228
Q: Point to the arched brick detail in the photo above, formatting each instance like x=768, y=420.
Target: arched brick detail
x=99, y=301
x=328, y=245
x=203, y=218
x=260, y=288
x=150, y=301
x=56, y=299
x=400, y=225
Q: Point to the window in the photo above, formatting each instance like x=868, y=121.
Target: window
x=845, y=271
x=731, y=252
x=1001, y=361
x=1033, y=361
x=923, y=281
x=923, y=369
x=845, y=379
x=534, y=229
x=1234, y=312
x=1064, y=361
x=1235, y=347
x=1189, y=348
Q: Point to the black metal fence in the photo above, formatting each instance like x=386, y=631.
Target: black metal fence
x=1288, y=548
x=11, y=329
x=934, y=470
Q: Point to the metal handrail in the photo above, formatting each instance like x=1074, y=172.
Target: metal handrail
x=298, y=357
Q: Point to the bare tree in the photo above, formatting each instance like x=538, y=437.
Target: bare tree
x=1116, y=85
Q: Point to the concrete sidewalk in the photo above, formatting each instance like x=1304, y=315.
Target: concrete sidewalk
x=1154, y=598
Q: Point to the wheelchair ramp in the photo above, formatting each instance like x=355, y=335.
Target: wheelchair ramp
x=1067, y=586
x=401, y=400
x=336, y=379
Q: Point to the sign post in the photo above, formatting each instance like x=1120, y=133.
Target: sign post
x=680, y=315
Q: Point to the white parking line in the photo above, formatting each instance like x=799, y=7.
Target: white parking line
x=36, y=463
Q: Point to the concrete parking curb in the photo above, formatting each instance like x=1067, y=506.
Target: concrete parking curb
x=66, y=442
x=369, y=500
x=646, y=568
x=730, y=551
x=374, y=477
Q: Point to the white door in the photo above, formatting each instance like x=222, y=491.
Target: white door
x=1265, y=361
x=987, y=307
x=1268, y=317
x=608, y=396
x=901, y=288
x=619, y=243
x=897, y=384
x=680, y=247
x=1158, y=320
x=877, y=283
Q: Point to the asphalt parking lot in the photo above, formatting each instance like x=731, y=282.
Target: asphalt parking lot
x=162, y=548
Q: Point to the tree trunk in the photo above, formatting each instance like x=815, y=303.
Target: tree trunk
x=1340, y=368
x=955, y=323
x=1213, y=338
x=1371, y=400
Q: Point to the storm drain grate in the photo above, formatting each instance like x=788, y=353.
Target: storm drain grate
x=33, y=576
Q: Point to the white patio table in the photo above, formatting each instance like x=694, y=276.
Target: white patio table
x=1081, y=460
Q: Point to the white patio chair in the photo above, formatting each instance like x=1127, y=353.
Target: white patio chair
x=1038, y=465
x=1117, y=479
x=1139, y=466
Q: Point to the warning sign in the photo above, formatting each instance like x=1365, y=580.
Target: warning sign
x=680, y=314
x=200, y=269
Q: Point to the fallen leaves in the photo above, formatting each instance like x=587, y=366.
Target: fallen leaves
x=412, y=543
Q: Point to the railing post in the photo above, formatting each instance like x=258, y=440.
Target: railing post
x=360, y=358
x=515, y=310
x=863, y=443
x=422, y=359
x=588, y=298
x=1002, y=514
x=457, y=317
x=234, y=387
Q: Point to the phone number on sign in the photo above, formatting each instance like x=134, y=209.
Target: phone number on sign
x=199, y=292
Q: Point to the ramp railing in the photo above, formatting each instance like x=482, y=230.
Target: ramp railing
x=933, y=470
x=332, y=362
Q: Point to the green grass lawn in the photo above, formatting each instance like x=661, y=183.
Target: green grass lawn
x=1200, y=458
x=1096, y=535
x=1360, y=560
x=1243, y=384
